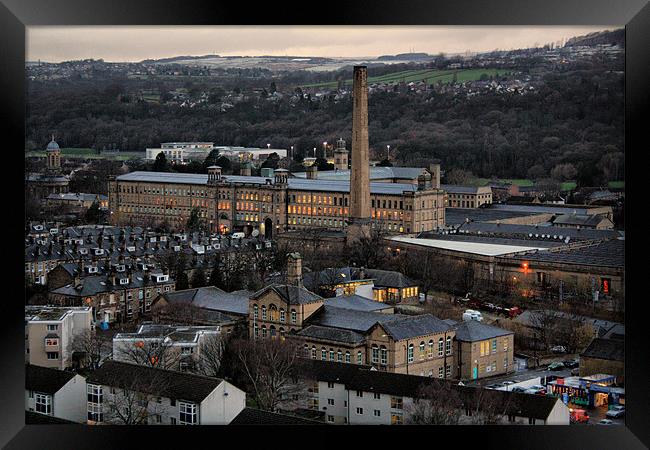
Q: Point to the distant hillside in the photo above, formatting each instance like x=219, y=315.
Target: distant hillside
x=405, y=57
x=179, y=58
x=615, y=37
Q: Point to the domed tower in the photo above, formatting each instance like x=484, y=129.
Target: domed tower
x=53, y=156
x=341, y=156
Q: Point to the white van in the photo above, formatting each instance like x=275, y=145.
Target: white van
x=239, y=235
x=470, y=314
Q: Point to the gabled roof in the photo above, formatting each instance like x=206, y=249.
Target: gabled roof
x=472, y=331
x=163, y=383
x=212, y=298
x=356, y=302
x=317, y=332
x=608, y=349
x=293, y=295
x=251, y=416
x=348, y=319
x=415, y=326
x=45, y=379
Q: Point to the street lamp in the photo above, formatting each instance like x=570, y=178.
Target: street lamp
x=268, y=146
x=291, y=156
x=388, y=152
x=324, y=149
x=314, y=152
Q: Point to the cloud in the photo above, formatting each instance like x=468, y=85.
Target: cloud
x=135, y=43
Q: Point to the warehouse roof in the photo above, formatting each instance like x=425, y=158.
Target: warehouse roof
x=610, y=253
x=478, y=247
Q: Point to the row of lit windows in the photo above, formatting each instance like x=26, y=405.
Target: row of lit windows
x=309, y=211
x=443, y=347
x=331, y=355
x=274, y=314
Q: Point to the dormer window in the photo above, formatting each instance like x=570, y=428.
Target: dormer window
x=92, y=269
x=120, y=268
x=124, y=281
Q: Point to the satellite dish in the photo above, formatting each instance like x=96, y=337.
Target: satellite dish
x=536, y=235
x=561, y=237
x=530, y=234
x=566, y=241
x=555, y=236
x=255, y=233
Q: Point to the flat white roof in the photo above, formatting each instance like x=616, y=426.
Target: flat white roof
x=477, y=248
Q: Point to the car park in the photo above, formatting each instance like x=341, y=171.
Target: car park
x=616, y=411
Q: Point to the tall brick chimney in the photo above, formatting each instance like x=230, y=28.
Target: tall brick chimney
x=359, y=222
x=294, y=269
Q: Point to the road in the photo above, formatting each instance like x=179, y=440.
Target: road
x=520, y=376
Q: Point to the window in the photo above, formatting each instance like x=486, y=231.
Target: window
x=377, y=396
x=360, y=411
x=360, y=394
x=323, y=354
x=448, y=371
x=313, y=352
x=52, y=355
x=494, y=345
x=396, y=403
x=448, y=345
x=95, y=399
x=330, y=419
x=52, y=342
x=440, y=347
x=187, y=413
x=347, y=357
x=339, y=356
x=430, y=355
x=95, y=412
x=330, y=401
x=293, y=316
x=52, y=327
x=263, y=312
x=396, y=419
x=43, y=403
x=422, y=350
x=384, y=355
x=505, y=363
x=377, y=413
x=172, y=420
x=410, y=353
x=531, y=421
x=255, y=312
x=505, y=344
x=375, y=354
x=282, y=315
x=187, y=350
x=330, y=385
x=359, y=357
x=440, y=372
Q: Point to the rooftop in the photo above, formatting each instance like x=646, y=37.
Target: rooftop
x=52, y=313
x=477, y=246
x=164, y=383
x=251, y=416
x=293, y=295
x=45, y=379
x=356, y=302
x=472, y=331
x=609, y=349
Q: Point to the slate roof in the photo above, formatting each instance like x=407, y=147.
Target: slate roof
x=472, y=331
x=164, y=383
x=545, y=208
x=348, y=319
x=212, y=298
x=251, y=416
x=579, y=220
x=359, y=377
x=34, y=418
x=610, y=253
x=376, y=173
x=176, y=333
x=293, y=295
x=456, y=216
x=458, y=189
x=293, y=183
x=609, y=349
x=356, y=302
x=45, y=379
x=341, y=275
x=93, y=285
x=525, y=231
x=71, y=196
x=317, y=332
x=415, y=326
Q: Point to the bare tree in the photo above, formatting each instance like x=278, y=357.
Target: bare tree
x=211, y=353
x=159, y=353
x=134, y=401
x=271, y=369
x=92, y=347
x=487, y=406
x=437, y=403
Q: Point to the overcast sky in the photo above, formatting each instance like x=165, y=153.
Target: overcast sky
x=135, y=43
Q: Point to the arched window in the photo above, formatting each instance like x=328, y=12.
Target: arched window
x=273, y=313
x=448, y=345
x=359, y=357
x=282, y=315
x=441, y=346
x=410, y=353
x=375, y=354
x=272, y=331
x=306, y=351
x=422, y=350
x=282, y=333
x=313, y=352
x=323, y=354
x=255, y=312
x=331, y=354
x=347, y=357
x=256, y=330
x=263, y=331
x=294, y=317
x=263, y=312
x=430, y=348
x=339, y=356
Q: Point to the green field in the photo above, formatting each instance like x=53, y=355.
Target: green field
x=515, y=181
x=89, y=153
x=616, y=184
x=430, y=75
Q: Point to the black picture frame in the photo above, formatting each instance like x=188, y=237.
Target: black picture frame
x=15, y=15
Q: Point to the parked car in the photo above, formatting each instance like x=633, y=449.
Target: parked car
x=518, y=389
x=575, y=371
x=605, y=422
x=616, y=411
x=558, y=349
x=570, y=363
x=508, y=382
x=556, y=366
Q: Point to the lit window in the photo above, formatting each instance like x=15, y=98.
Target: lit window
x=410, y=353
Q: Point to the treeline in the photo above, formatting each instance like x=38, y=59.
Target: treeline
x=573, y=117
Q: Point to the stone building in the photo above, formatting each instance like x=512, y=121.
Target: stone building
x=483, y=350
x=52, y=181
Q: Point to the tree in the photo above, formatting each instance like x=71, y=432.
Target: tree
x=160, y=164
x=368, y=251
x=180, y=275
x=195, y=222
x=160, y=353
x=437, y=403
x=224, y=163
x=270, y=368
x=385, y=163
x=92, y=348
x=536, y=172
x=198, y=278
x=94, y=214
x=322, y=164
x=458, y=176
x=133, y=401
x=211, y=356
x=211, y=159
x=487, y=406
x=564, y=172
x=272, y=161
